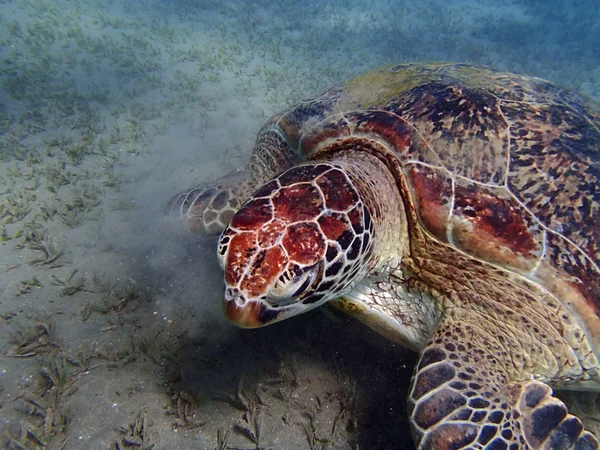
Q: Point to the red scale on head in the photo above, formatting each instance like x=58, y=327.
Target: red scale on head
x=241, y=248
x=267, y=189
x=253, y=215
x=267, y=266
x=297, y=203
x=270, y=233
x=355, y=217
x=333, y=225
x=304, y=243
x=339, y=194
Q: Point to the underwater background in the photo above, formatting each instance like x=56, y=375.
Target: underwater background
x=111, y=328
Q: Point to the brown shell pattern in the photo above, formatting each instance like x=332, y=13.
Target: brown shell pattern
x=501, y=166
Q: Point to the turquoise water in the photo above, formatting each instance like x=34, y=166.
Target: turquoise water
x=112, y=330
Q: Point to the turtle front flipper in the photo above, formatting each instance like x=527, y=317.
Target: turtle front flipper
x=462, y=396
x=208, y=207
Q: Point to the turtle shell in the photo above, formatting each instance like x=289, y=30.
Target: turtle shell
x=502, y=167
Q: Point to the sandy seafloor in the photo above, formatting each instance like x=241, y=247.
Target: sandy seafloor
x=111, y=328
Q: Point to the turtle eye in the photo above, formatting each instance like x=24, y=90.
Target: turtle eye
x=294, y=284
x=308, y=278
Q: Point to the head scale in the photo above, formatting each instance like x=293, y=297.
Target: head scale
x=302, y=239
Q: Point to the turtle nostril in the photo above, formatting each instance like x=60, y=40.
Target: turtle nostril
x=234, y=295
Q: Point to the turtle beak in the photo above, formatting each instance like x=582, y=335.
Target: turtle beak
x=247, y=313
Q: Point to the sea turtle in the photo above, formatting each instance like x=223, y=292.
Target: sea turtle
x=453, y=208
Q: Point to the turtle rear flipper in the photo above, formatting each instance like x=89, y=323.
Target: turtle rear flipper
x=462, y=397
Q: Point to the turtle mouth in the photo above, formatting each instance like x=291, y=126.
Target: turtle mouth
x=248, y=313
x=293, y=297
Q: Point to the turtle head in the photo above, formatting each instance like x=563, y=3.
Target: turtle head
x=302, y=239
